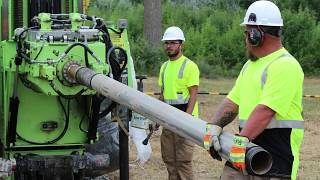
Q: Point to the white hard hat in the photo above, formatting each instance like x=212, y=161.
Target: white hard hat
x=173, y=33
x=263, y=13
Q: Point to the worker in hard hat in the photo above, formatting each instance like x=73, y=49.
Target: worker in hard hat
x=179, y=82
x=267, y=98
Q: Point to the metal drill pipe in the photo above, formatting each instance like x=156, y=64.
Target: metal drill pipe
x=258, y=160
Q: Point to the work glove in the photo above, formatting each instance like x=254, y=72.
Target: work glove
x=211, y=140
x=238, y=152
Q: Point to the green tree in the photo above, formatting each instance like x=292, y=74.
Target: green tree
x=296, y=5
x=301, y=38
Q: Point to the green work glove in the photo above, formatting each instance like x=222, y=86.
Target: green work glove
x=211, y=140
x=238, y=152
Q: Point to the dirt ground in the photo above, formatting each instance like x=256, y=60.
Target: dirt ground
x=205, y=167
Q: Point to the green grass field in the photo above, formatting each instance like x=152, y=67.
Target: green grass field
x=206, y=168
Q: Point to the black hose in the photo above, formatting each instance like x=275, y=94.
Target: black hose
x=78, y=44
x=102, y=27
x=39, y=51
x=19, y=43
x=86, y=57
x=116, y=69
x=66, y=96
x=84, y=115
x=86, y=51
x=81, y=121
x=117, y=32
x=115, y=66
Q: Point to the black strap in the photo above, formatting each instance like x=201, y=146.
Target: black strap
x=93, y=125
x=14, y=109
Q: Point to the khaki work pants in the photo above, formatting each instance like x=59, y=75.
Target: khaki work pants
x=177, y=154
x=232, y=174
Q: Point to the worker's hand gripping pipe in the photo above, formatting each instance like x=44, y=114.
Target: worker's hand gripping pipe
x=258, y=160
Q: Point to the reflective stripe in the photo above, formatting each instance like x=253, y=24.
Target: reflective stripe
x=162, y=75
x=176, y=101
x=297, y=124
x=239, y=159
x=207, y=138
x=265, y=71
x=182, y=68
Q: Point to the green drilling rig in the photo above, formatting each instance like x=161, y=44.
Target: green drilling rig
x=48, y=121
x=61, y=73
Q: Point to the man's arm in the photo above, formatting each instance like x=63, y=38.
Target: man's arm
x=193, y=91
x=257, y=122
x=226, y=113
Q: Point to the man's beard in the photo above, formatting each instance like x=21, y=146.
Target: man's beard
x=172, y=54
x=251, y=56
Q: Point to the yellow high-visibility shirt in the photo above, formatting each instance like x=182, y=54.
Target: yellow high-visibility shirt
x=275, y=81
x=178, y=76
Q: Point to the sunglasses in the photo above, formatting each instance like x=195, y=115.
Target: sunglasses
x=171, y=42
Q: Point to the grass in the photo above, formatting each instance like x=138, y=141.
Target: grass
x=206, y=168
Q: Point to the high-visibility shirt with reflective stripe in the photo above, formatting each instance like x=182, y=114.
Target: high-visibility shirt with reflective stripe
x=174, y=79
x=275, y=81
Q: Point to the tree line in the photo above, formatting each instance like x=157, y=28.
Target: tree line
x=214, y=37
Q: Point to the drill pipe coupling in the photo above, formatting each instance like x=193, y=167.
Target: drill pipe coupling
x=69, y=71
x=81, y=75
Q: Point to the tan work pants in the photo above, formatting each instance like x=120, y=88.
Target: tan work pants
x=232, y=174
x=177, y=154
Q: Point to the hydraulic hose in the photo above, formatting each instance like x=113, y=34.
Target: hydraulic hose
x=86, y=48
x=115, y=68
